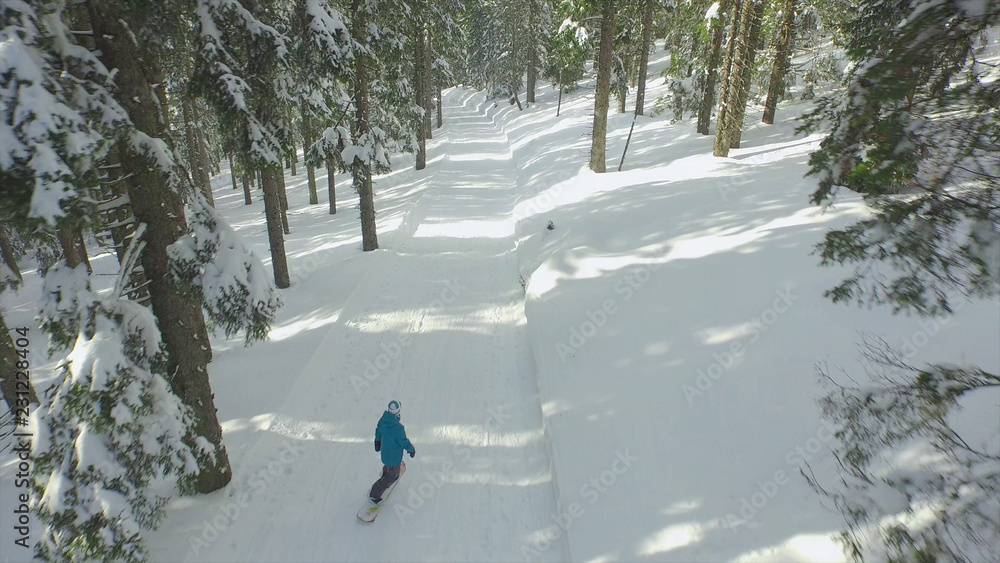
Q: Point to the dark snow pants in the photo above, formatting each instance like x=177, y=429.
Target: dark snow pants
x=389, y=476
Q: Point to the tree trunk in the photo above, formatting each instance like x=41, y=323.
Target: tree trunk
x=232, y=171
x=275, y=235
x=776, y=87
x=283, y=199
x=712, y=68
x=71, y=250
x=361, y=170
x=428, y=100
x=733, y=20
x=647, y=35
x=307, y=141
x=419, y=67
x=192, y=144
x=440, y=116
x=559, y=103
x=331, y=186
x=247, y=200
x=18, y=392
x=7, y=253
x=605, y=52
x=81, y=248
x=732, y=76
x=154, y=202
x=529, y=95
x=206, y=178
x=746, y=78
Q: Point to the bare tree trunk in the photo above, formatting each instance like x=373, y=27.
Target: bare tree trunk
x=82, y=250
x=361, y=170
x=193, y=146
x=733, y=21
x=712, y=68
x=206, y=178
x=559, y=103
x=529, y=95
x=439, y=110
x=275, y=236
x=283, y=199
x=188, y=116
x=232, y=172
x=776, y=87
x=647, y=34
x=331, y=186
x=179, y=317
x=746, y=78
x=420, y=67
x=307, y=141
x=428, y=84
x=247, y=200
x=15, y=382
x=732, y=85
x=7, y=253
x=605, y=52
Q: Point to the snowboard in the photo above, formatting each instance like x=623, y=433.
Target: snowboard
x=369, y=512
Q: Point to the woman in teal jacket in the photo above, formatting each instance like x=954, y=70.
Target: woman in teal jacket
x=391, y=441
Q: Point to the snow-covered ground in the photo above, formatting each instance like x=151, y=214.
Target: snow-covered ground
x=647, y=393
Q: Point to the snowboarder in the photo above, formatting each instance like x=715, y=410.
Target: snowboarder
x=393, y=434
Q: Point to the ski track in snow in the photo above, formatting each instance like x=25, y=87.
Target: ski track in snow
x=439, y=315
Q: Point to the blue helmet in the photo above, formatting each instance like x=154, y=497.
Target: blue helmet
x=394, y=407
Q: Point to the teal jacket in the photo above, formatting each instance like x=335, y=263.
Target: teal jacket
x=392, y=434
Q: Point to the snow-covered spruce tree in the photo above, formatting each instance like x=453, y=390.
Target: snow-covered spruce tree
x=538, y=26
x=431, y=31
x=157, y=186
x=448, y=39
x=54, y=105
x=109, y=448
x=916, y=131
x=687, y=33
x=567, y=49
x=211, y=263
x=327, y=151
x=385, y=117
x=243, y=68
x=323, y=48
x=499, y=43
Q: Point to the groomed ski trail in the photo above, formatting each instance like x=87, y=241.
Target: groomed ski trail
x=438, y=323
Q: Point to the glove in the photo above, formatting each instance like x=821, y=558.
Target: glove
x=378, y=445
x=413, y=452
